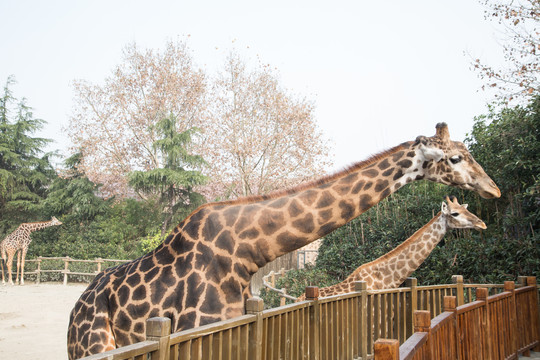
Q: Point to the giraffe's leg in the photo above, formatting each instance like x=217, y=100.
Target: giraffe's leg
x=18, y=266
x=22, y=265
x=3, y=264
x=9, y=264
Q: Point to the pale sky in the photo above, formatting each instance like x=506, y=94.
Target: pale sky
x=379, y=72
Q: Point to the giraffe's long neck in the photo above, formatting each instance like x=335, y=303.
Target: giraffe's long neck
x=31, y=227
x=295, y=220
x=257, y=230
x=393, y=268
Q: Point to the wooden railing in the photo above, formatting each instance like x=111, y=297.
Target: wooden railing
x=64, y=267
x=269, y=282
x=338, y=327
x=500, y=326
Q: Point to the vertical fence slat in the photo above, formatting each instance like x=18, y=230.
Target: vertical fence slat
x=361, y=286
x=312, y=294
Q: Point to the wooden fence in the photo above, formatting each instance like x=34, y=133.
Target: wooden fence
x=66, y=267
x=287, y=261
x=338, y=327
x=501, y=326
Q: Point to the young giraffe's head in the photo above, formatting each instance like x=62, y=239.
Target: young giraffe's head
x=458, y=217
x=450, y=163
x=55, y=221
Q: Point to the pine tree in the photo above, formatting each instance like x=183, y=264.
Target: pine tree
x=172, y=183
x=25, y=171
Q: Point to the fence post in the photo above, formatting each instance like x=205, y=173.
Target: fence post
x=411, y=283
x=99, y=261
x=422, y=323
x=38, y=270
x=450, y=306
x=361, y=286
x=159, y=329
x=458, y=280
x=482, y=295
x=282, y=299
x=531, y=281
x=66, y=269
x=255, y=306
x=386, y=349
x=510, y=287
x=312, y=294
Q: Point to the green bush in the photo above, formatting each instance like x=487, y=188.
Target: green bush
x=295, y=281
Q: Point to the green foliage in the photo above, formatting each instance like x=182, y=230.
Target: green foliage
x=295, y=281
x=24, y=171
x=507, y=144
x=380, y=229
x=115, y=233
x=151, y=242
x=172, y=185
x=73, y=195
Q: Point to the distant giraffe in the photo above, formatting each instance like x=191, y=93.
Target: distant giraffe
x=390, y=270
x=18, y=241
x=200, y=274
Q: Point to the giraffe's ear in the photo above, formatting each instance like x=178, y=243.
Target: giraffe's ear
x=431, y=153
x=444, y=208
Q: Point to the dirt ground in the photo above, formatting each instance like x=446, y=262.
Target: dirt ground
x=34, y=320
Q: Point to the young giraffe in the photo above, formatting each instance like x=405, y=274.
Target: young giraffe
x=390, y=270
x=20, y=240
x=200, y=274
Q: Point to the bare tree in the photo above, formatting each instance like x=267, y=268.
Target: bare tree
x=114, y=124
x=261, y=138
x=521, y=48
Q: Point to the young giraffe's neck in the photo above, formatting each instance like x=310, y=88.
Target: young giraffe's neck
x=35, y=226
x=392, y=269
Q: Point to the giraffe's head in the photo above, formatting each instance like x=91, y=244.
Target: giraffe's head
x=450, y=163
x=458, y=217
x=55, y=221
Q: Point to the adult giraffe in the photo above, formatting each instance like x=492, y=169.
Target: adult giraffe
x=200, y=274
x=390, y=270
x=18, y=242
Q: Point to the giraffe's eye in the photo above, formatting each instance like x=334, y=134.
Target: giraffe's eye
x=455, y=159
x=455, y=214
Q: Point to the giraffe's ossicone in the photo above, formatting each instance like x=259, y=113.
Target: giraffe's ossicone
x=392, y=269
x=200, y=274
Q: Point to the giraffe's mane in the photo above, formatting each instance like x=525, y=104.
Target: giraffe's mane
x=36, y=222
x=311, y=184
x=398, y=248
